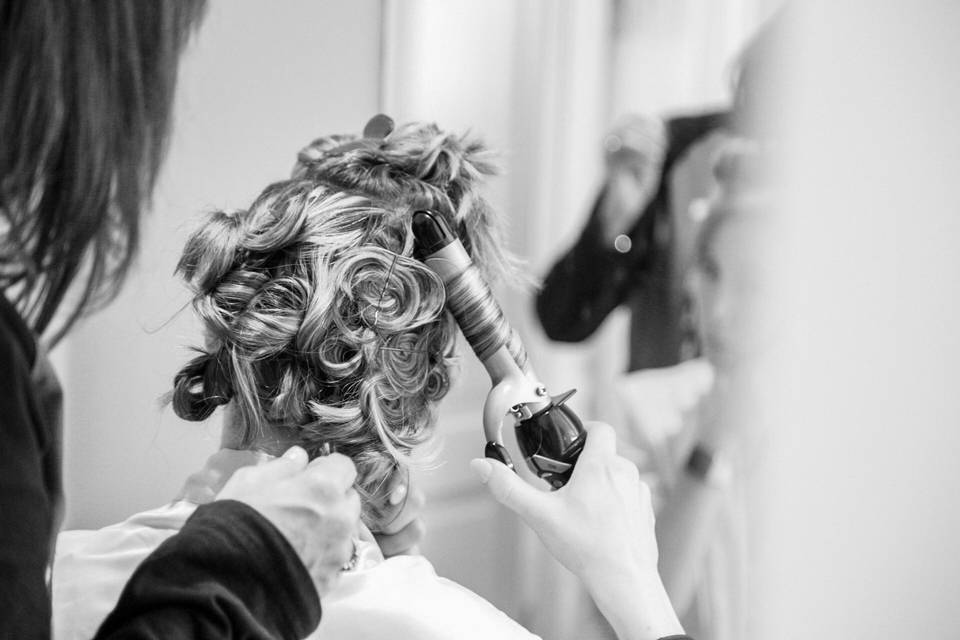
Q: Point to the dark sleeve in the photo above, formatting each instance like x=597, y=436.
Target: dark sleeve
x=26, y=509
x=593, y=278
x=228, y=573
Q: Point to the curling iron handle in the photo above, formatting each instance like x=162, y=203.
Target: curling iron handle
x=551, y=441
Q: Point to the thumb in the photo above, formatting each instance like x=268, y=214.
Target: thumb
x=508, y=488
x=297, y=455
x=293, y=461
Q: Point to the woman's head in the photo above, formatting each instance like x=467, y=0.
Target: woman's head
x=731, y=261
x=86, y=90
x=762, y=76
x=322, y=328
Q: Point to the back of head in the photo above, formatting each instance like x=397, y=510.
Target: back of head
x=86, y=90
x=322, y=327
x=763, y=76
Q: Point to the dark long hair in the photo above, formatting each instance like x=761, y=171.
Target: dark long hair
x=86, y=89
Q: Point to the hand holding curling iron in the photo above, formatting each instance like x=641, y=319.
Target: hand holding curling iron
x=549, y=433
x=601, y=527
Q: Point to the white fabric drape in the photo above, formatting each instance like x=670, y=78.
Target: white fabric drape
x=401, y=598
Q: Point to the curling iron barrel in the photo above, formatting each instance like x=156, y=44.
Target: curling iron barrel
x=549, y=433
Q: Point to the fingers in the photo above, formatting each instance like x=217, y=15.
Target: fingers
x=364, y=533
x=601, y=440
x=293, y=461
x=354, y=506
x=508, y=488
x=626, y=472
x=335, y=468
x=334, y=536
x=327, y=569
x=297, y=455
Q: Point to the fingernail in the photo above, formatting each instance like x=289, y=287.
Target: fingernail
x=398, y=494
x=482, y=468
x=293, y=453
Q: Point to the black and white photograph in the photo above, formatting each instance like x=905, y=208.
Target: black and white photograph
x=479, y=319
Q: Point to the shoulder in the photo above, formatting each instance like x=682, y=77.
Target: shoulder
x=18, y=351
x=403, y=597
x=694, y=125
x=685, y=130
x=17, y=342
x=19, y=410
x=119, y=547
x=91, y=567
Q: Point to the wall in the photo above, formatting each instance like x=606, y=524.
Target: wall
x=859, y=531
x=677, y=56
x=259, y=82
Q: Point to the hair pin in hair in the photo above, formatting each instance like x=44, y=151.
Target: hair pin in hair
x=216, y=377
x=378, y=128
x=376, y=313
x=383, y=290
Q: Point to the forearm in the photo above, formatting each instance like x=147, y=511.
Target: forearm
x=228, y=571
x=635, y=604
x=685, y=527
x=601, y=527
x=587, y=283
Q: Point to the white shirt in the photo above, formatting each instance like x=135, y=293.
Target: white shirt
x=665, y=409
x=397, y=598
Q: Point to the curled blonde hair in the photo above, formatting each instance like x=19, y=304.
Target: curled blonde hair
x=320, y=322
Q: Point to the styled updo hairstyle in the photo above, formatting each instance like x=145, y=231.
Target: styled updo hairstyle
x=319, y=320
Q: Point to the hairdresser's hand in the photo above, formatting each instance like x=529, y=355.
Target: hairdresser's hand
x=314, y=505
x=600, y=526
x=634, y=152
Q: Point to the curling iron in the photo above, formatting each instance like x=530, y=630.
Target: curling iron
x=549, y=433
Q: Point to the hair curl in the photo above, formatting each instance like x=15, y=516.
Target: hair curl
x=319, y=319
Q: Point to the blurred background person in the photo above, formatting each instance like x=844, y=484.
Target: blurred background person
x=638, y=243
x=680, y=415
x=659, y=241
x=855, y=523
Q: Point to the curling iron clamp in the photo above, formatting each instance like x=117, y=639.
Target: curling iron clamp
x=549, y=433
